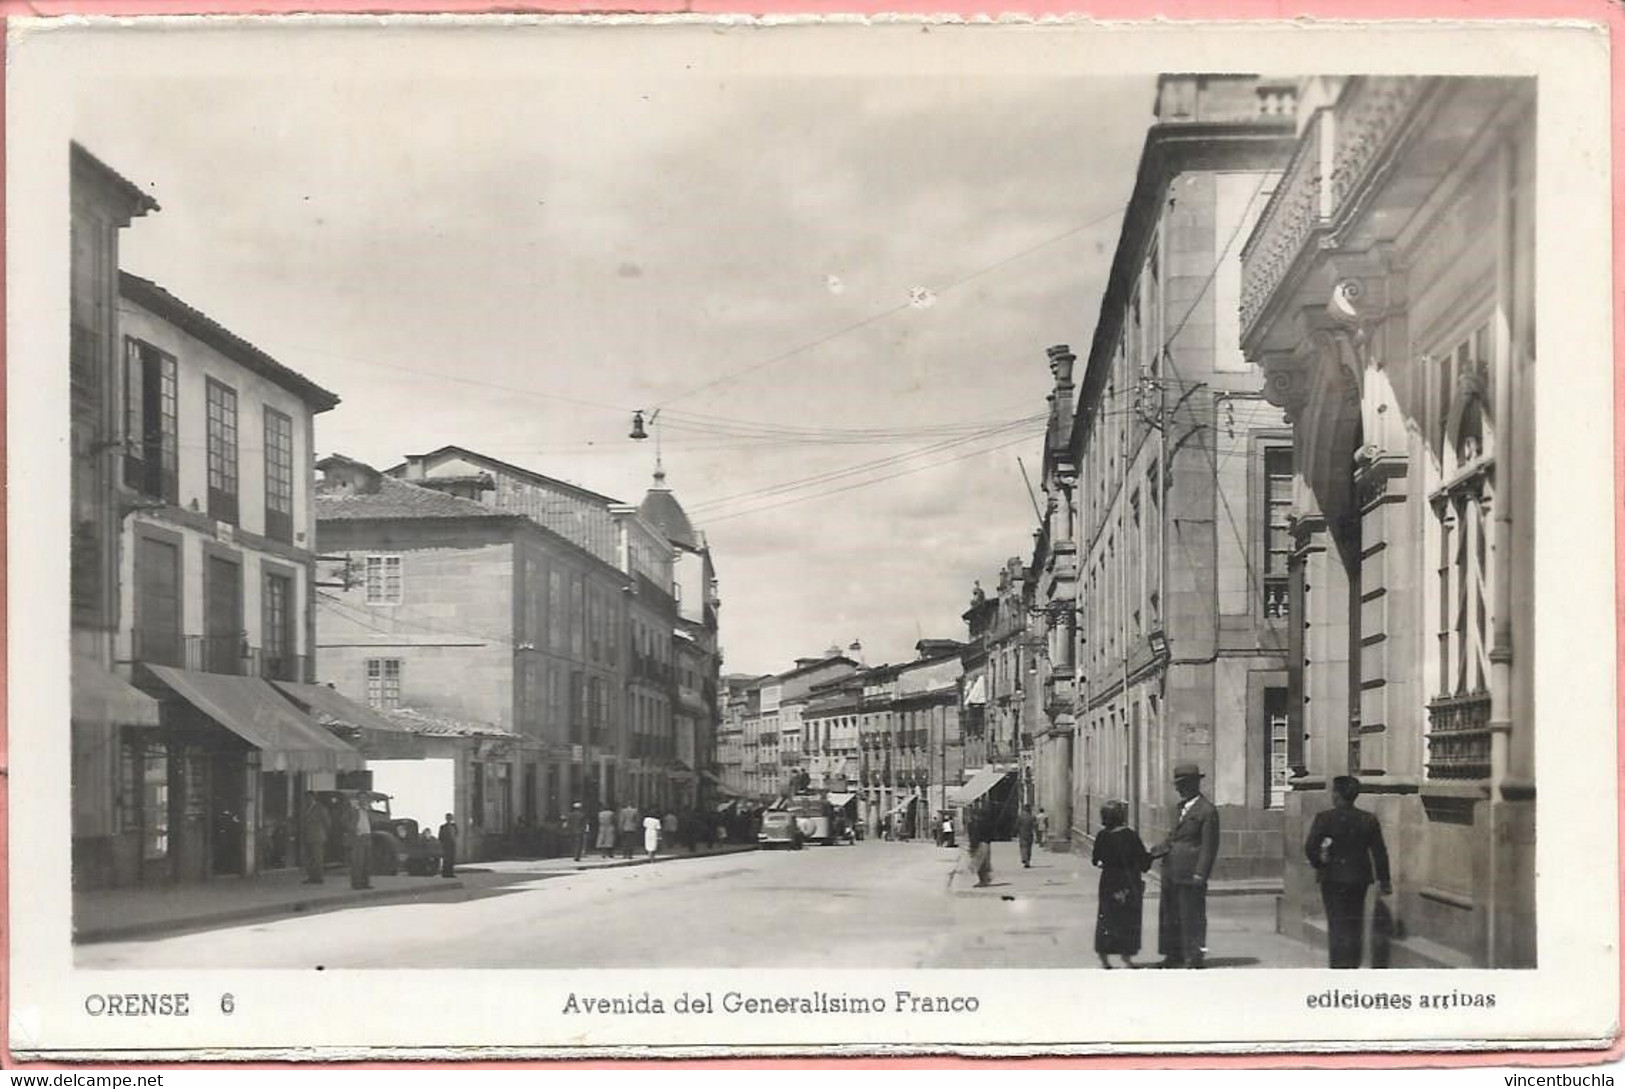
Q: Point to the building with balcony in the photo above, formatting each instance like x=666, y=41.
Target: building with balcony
x=881, y=795
x=928, y=755
x=216, y=578
x=672, y=586
x=698, y=650
x=1388, y=293
x=438, y=604
x=996, y=659
x=1163, y=568
x=107, y=846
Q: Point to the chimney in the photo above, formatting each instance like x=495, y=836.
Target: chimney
x=1061, y=360
x=855, y=652
x=414, y=467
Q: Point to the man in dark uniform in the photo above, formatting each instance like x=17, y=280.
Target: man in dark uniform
x=448, y=847
x=1187, y=854
x=315, y=825
x=1346, y=849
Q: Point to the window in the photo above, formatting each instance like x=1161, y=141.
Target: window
x=1277, y=529
x=150, y=432
x=384, y=683
x=276, y=640
x=557, y=609
x=222, y=452
x=1276, y=771
x=383, y=580
x=1463, y=488
x=278, y=475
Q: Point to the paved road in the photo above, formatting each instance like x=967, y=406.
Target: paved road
x=871, y=905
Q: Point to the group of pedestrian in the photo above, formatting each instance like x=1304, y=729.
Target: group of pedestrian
x=612, y=829
x=353, y=822
x=1345, y=847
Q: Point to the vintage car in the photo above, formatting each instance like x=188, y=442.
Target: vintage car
x=779, y=829
x=420, y=849
x=396, y=845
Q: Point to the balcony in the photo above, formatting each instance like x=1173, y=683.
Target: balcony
x=228, y=654
x=1339, y=150
x=1459, y=737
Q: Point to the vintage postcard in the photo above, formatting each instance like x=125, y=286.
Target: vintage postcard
x=541, y=536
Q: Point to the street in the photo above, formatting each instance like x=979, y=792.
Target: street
x=874, y=904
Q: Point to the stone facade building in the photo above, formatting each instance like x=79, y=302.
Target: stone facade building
x=1163, y=575
x=1388, y=292
x=445, y=606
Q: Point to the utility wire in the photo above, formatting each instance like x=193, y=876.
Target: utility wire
x=864, y=323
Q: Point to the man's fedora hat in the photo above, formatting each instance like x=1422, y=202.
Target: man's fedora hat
x=1186, y=771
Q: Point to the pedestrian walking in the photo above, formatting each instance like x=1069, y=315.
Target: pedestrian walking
x=606, y=832
x=448, y=847
x=947, y=837
x=575, y=829
x=668, y=831
x=360, y=847
x=314, y=826
x=1026, y=829
x=1043, y=826
x=651, y=835
x=1346, y=848
x=1123, y=860
x=628, y=829
x=981, y=843
x=1187, y=854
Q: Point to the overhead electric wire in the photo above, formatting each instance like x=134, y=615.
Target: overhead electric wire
x=864, y=323
x=869, y=483
x=862, y=467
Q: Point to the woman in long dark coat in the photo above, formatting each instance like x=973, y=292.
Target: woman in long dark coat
x=1123, y=860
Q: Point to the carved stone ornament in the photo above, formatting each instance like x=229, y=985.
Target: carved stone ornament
x=1285, y=383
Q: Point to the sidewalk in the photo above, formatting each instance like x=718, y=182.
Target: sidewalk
x=1051, y=908
x=123, y=914
x=119, y=914
x=595, y=861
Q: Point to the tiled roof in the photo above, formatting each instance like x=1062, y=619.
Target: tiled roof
x=194, y=322
x=140, y=199
x=435, y=724
x=507, y=467
x=399, y=499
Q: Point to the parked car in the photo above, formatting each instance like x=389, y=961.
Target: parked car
x=392, y=851
x=779, y=829
x=420, y=848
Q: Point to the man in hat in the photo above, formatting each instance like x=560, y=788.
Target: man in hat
x=1346, y=849
x=1187, y=854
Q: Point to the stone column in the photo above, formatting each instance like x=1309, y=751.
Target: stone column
x=1325, y=666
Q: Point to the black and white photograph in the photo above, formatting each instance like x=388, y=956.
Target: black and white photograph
x=788, y=535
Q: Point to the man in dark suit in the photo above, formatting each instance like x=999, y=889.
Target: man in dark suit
x=1346, y=849
x=1187, y=854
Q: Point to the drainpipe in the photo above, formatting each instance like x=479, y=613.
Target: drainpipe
x=1500, y=724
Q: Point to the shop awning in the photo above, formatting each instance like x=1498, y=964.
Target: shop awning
x=261, y=716
x=839, y=799
x=980, y=783
x=101, y=696
x=377, y=736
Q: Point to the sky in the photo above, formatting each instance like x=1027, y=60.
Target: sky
x=833, y=269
